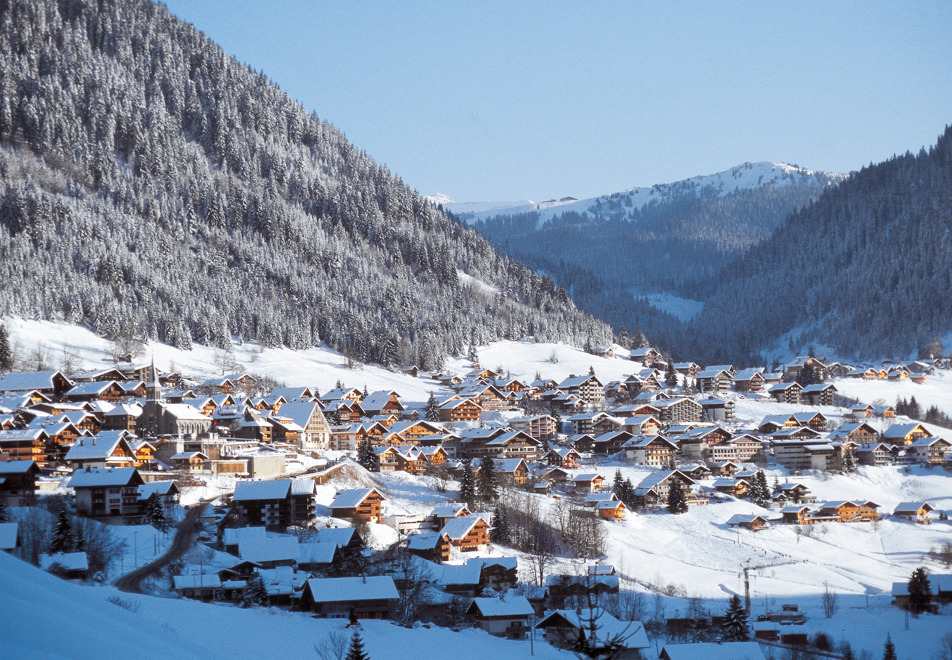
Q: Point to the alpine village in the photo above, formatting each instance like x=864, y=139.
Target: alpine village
x=258, y=396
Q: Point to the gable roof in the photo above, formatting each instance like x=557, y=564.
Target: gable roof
x=104, y=477
x=510, y=606
x=31, y=380
x=332, y=590
x=246, y=491
x=351, y=498
x=458, y=528
x=713, y=651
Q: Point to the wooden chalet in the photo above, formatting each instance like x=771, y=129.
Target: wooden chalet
x=467, y=533
x=108, y=449
x=513, y=471
x=564, y=457
x=846, y=511
x=507, y=617
x=786, y=392
x=96, y=390
x=611, y=510
x=917, y=512
x=611, y=442
x=460, y=410
x=25, y=444
x=433, y=546
x=50, y=383
x=654, y=451
x=18, y=482
x=654, y=488
x=357, y=503
x=589, y=482
x=818, y=394
x=372, y=597
x=796, y=514
x=750, y=521
x=905, y=434
x=749, y=380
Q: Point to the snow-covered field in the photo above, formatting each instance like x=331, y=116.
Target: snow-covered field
x=935, y=391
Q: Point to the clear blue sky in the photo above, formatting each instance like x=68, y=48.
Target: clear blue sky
x=510, y=100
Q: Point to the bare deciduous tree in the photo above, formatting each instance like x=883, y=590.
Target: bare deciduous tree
x=829, y=600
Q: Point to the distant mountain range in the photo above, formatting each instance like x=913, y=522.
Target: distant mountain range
x=151, y=185
x=646, y=258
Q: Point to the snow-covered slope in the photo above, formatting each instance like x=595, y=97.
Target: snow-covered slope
x=741, y=177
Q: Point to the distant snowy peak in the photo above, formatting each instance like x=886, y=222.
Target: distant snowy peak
x=741, y=177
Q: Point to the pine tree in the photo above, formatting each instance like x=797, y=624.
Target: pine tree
x=759, y=491
x=618, y=484
x=889, y=650
x=255, y=592
x=487, y=482
x=629, y=500
x=467, y=484
x=913, y=412
x=671, y=377
x=502, y=531
x=677, y=502
x=62, y=532
x=6, y=353
x=432, y=409
x=735, y=621
x=366, y=457
x=849, y=463
x=155, y=513
x=920, y=591
x=356, y=650
x=3, y=510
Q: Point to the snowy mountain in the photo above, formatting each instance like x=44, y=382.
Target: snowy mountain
x=647, y=258
x=741, y=177
x=150, y=184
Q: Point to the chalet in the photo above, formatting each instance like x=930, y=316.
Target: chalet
x=278, y=503
x=585, y=422
x=432, y=546
x=460, y=410
x=561, y=587
x=308, y=416
x=914, y=512
x=133, y=388
x=749, y=521
x=507, y=617
x=642, y=425
x=107, y=492
x=357, y=503
x=412, y=431
x=583, y=442
x=382, y=402
x=796, y=493
x=166, y=491
x=930, y=451
x=371, y=597
x=563, y=628
x=105, y=391
x=654, y=489
x=861, y=410
x=796, y=514
x=748, y=447
x=446, y=512
x=25, y=444
x=688, y=369
x=122, y=417
x=718, y=410
x=647, y=356
x=611, y=510
x=434, y=455
x=587, y=388
x=555, y=475
x=940, y=584
x=735, y=487
x=711, y=381
x=858, y=432
x=749, y=380
x=467, y=533
x=564, y=457
x=497, y=573
x=410, y=459
x=82, y=420
x=818, y=394
x=513, y=444
x=67, y=565
x=589, y=482
x=513, y=471
x=18, y=482
x=319, y=556
x=846, y=511
x=875, y=453
x=905, y=434
x=654, y=451
x=786, y=392
x=884, y=412
x=189, y=461
x=108, y=449
x=611, y=442
x=678, y=411
x=294, y=393
x=52, y=383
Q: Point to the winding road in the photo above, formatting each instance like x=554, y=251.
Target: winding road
x=184, y=537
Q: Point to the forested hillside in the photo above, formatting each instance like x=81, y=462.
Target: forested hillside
x=150, y=182
x=615, y=252
x=867, y=269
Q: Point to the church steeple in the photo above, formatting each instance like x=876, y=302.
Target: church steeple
x=153, y=391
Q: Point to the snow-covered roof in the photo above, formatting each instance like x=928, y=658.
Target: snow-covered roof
x=206, y=581
x=261, y=490
x=235, y=535
x=160, y=488
x=351, y=498
x=912, y=507
x=316, y=553
x=21, y=466
x=458, y=528
x=631, y=634
x=104, y=477
x=331, y=590
x=454, y=574
x=300, y=412
x=515, y=606
x=69, y=561
x=97, y=447
x=30, y=380
x=268, y=549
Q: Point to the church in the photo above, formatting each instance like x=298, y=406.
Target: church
x=160, y=418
